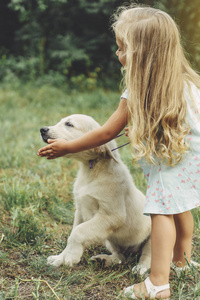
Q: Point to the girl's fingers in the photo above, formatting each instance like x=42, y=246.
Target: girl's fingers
x=126, y=131
x=50, y=141
x=46, y=148
x=45, y=152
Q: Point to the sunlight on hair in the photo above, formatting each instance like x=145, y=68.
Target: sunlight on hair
x=155, y=75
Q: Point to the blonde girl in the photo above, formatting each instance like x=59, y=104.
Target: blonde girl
x=161, y=105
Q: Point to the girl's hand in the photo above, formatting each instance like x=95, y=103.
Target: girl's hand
x=56, y=148
x=126, y=131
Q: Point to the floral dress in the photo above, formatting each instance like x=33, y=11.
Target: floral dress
x=173, y=190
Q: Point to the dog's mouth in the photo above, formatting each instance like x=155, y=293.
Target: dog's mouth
x=44, y=138
x=44, y=133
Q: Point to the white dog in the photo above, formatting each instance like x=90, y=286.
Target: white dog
x=109, y=208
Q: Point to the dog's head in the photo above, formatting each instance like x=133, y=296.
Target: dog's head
x=73, y=127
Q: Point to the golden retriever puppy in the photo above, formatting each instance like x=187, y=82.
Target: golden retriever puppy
x=109, y=207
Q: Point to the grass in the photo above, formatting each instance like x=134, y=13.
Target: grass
x=36, y=203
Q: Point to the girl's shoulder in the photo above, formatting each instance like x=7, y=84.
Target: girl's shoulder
x=191, y=92
x=192, y=97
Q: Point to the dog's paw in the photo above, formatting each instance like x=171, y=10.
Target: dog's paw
x=70, y=261
x=105, y=260
x=55, y=260
x=58, y=260
x=140, y=269
x=98, y=259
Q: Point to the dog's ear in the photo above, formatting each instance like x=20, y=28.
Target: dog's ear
x=105, y=152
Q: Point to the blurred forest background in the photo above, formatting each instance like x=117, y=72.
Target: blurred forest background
x=57, y=57
x=70, y=42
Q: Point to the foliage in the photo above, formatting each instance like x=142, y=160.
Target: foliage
x=36, y=202
x=187, y=17
x=66, y=39
x=78, y=41
x=28, y=227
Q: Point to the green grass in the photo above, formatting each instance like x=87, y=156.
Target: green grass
x=36, y=203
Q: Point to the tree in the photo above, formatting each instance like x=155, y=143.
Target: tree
x=72, y=37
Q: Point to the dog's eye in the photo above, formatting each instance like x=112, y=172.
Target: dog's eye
x=69, y=124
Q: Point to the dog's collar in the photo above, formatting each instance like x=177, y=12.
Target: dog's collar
x=90, y=163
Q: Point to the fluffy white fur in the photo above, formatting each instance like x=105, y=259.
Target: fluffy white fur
x=109, y=208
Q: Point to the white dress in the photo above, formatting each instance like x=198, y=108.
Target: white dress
x=172, y=190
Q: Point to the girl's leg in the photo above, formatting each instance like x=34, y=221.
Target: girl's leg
x=163, y=237
x=184, y=230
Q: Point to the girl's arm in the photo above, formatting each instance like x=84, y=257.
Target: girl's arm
x=92, y=139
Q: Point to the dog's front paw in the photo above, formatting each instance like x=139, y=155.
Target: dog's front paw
x=58, y=260
x=70, y=261
x=141, y=269
x=55, y=260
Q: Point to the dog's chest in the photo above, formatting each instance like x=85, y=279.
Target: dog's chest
x=84, y=199
x=87, y=206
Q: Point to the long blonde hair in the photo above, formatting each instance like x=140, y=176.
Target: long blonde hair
x=154, y=75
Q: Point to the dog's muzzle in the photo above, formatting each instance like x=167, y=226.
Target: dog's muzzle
x=44, y=133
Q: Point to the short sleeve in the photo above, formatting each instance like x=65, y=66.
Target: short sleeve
x=125, y=94
x=193, y=105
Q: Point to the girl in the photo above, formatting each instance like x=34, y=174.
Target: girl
x=161, y=105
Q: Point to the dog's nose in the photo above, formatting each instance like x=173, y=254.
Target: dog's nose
x=44, y=130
